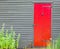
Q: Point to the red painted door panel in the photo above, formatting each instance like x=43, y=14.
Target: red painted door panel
x=42, y=23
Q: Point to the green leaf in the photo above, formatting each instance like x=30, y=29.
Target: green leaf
x=8, y=40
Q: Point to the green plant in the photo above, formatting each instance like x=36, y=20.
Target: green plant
x=7, y=39
x=49, y=46
x=57, y=43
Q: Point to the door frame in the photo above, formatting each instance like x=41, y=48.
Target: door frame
x=51, y=15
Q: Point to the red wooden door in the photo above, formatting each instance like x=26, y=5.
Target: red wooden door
x=42, y=23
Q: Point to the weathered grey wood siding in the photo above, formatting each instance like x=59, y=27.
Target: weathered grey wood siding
x=56, y=19
x=19, y=13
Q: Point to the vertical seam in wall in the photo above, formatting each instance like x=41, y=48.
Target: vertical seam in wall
x=33, y=23
x=52, y=21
